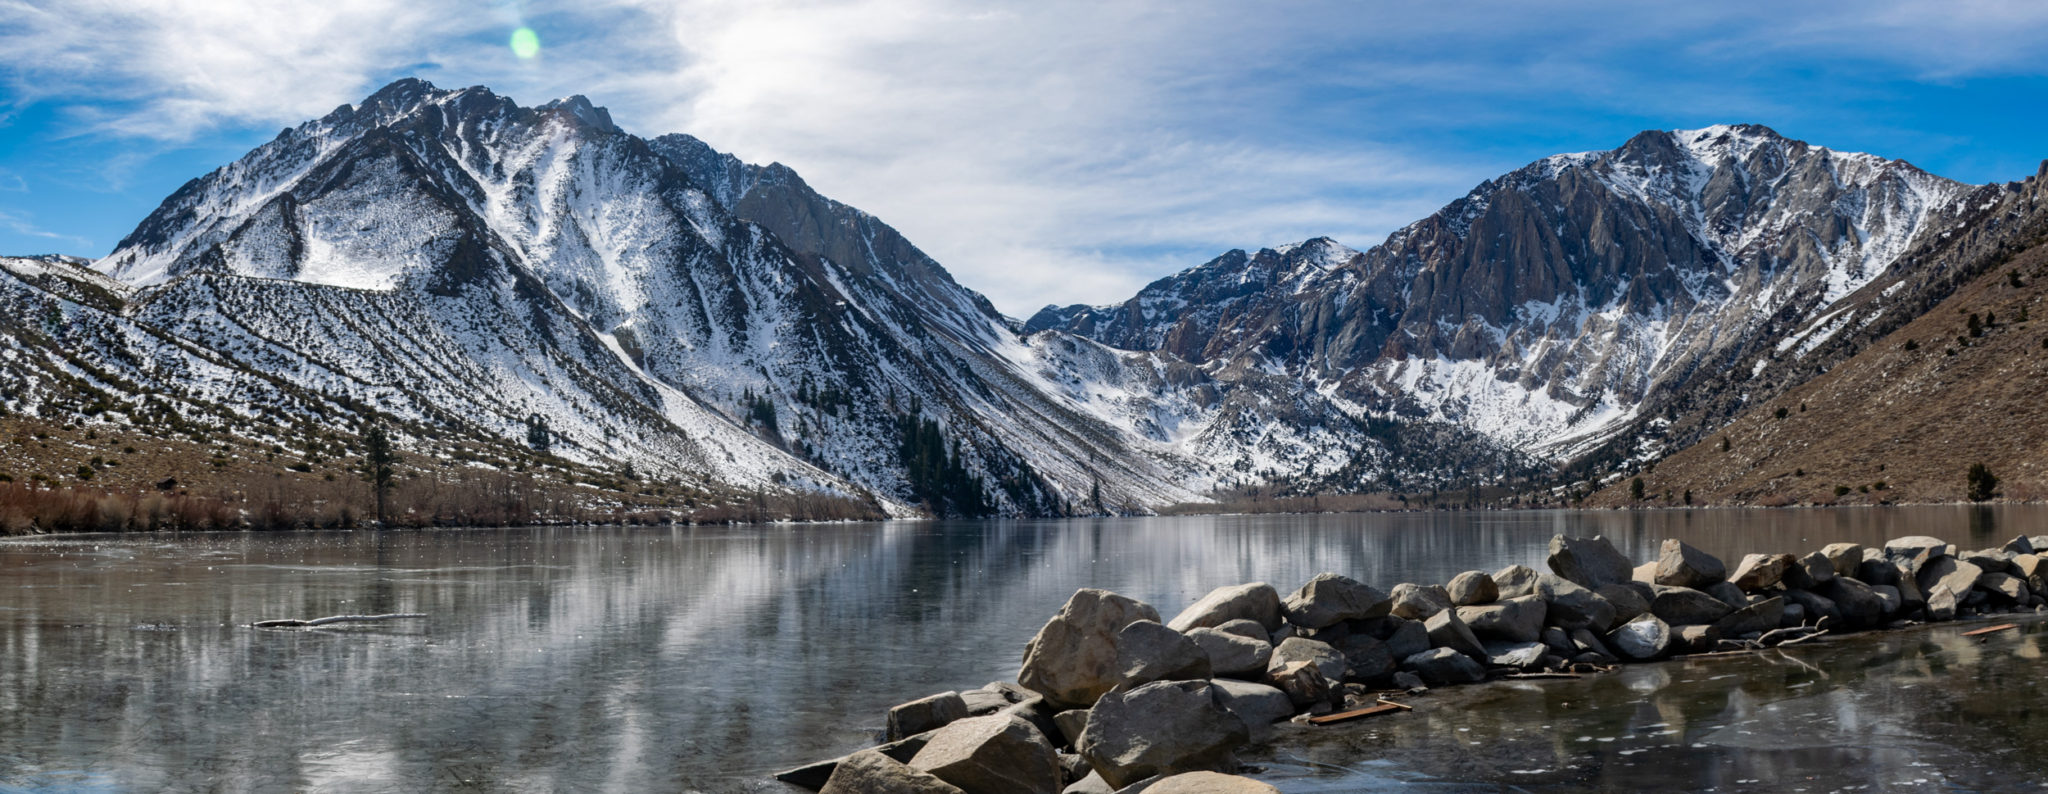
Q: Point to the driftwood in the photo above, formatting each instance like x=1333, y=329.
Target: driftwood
x=1992, y=630
x=288, y=623
x=1788, y=636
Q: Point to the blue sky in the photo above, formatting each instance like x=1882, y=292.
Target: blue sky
x=1045, y=152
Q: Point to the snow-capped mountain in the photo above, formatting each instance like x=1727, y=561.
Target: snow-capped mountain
x=1548, y=307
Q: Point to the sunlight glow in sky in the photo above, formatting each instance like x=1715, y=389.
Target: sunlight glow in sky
x=1056, y=151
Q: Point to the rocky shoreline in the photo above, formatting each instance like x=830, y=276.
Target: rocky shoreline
x=1111, y=698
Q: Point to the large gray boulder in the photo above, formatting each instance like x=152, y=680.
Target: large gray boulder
x=1572, y=606
x=1258, y=706
x=1761, y=571
x=1303, y=682
x=1915, y=551
x=1443, y=666
x=2034, y=569
x=925, y=714
x=1472, y=588
x=1256, y=601
x=1250, y=629
x=1816, y=606
x=1728, y=594
x=1408, y=638
x=1073, y=659
x=1764, y=615
x=1419, y=601
x=2006, y=586
x=1327, y=659
x=1628, y=602
x=1148, y=652
x=1819, y=569
x=1860, y=606
x=1956, y=575
x=1684, y=606
x=1515, y=620
x=1160, y=728
x=1588, y=562
x=1889, y=594
x=870, y=772
x=1446, y=630
x=1209, y=783
x=990, y=755
x=1367, y=657
x=1642, y=639
x=1329, y=599
x=1515, y=581
x=1846, y=557
x=1681, y=565
x=1232, y=654
x=1942, y=603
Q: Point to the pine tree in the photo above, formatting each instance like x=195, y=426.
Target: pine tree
x=1635, y=489
x=378, y=467
x=1983, y=485
x=538, y=435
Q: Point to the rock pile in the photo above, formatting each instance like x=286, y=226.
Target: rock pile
x=1113, y=699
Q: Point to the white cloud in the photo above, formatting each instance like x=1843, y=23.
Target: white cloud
x=22, y=225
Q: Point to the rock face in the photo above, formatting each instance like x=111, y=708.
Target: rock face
x=925, y=714
x=1232, y=654
x=1209, y=783
x=1680, y=565
x=870, y=772
x=991, y=755
x=1148, y=652
x=1588, y=562
x=1160, y=728
x=1444, y=667
x=1472, y=588
x=1680, y=606
x=1761, y=571
x=1257, y=601
x=1515, y=620
x=1073, y=659
x=1642, y=639
x=1329, y=599
x=1574, y=607
x=1419, y=601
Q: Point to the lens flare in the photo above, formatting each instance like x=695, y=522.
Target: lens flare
x=525, y=43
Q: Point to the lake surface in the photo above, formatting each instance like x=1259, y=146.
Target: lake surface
x=701, y=659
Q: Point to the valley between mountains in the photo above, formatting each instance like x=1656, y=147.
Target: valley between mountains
x=561, y=320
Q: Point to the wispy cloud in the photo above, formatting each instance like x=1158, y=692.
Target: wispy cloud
x=1046, y=152
x=22, y=225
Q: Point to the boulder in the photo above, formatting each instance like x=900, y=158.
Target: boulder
x=1941, y=603
x=1148, y=652
x=1588, y=642
x=1761, y=571
x=1515, y=620
x=1446, y=630
x=1878, y=571
x=1160, y=728
x=1368, y=659
x=1814, y=606
x=1073, y=659
x=1728, y=594
x=1846, y=557
x=1645, y=573
x=1861, y=607
x=1249, y=629
x=1684, y=606
x=1304, y=683
x=1681, y=565
x=1572, y=606
x=1911, y=598
x=1443, y=666
x=814, y=776
x=1514, y=581
x=2020, y=545
x=983, y=702
x=1256, y=601
x=1957, y=575
x=925, y=714
x=1209, y=783
x=1916, y=550
x=2033, y=568
x=1070, y=722
x=1695, y=639
x=1408, y=638
x=1792, y=615
x=1258, y=706
x=1092, y=783
x=1889, y=594
x=1526, y=656
x=1329, y=598
x=993, y=754
x=1558, y=641
x=1409, y=681
x=1642, y=639
x=1419, y=601
x=1232, y=654
x=1757, y=618
x=2007, y=586
x=870, y=772
x=1627, y=601
x=2039, y=542
x=1588, y=562
x=1472, y=588
x=1326, y=659
x=1818, y=567
x=1991, y=561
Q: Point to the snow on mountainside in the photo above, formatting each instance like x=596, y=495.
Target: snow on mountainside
x=1546, y=307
